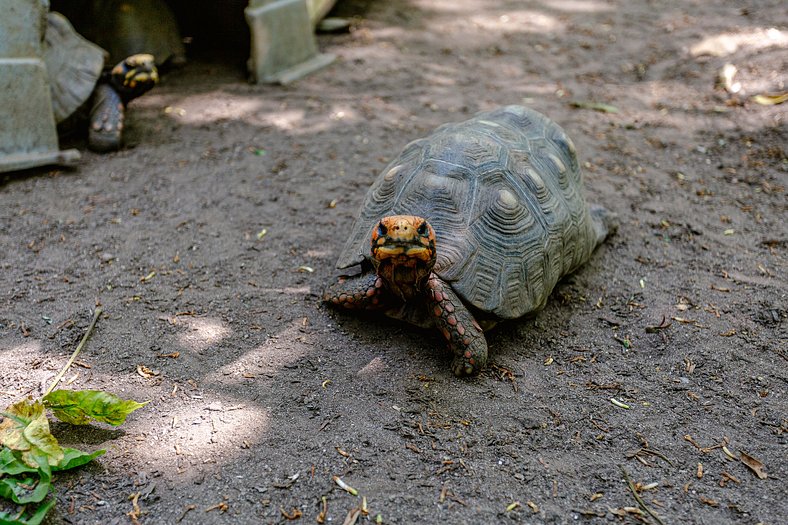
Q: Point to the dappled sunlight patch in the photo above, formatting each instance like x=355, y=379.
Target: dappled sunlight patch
x=206, y=108
x=725, y=44
x=200, y=333
x=578, y=6
x=523, y=21
x=286, y=119
x=205, y=432
x=283, y=349
x=22, y=369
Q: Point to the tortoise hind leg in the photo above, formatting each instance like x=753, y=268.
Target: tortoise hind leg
x=106, y=120
x=458, y=326
x=604, y=221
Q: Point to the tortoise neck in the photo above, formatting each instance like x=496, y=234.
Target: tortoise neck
x=404, y=280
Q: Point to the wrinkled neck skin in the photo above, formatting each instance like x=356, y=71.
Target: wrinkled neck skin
x=405, y=278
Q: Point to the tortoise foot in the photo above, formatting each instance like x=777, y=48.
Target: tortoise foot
x=471, y=360
x=106, y=120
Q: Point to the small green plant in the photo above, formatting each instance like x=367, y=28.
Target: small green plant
x=30, y=453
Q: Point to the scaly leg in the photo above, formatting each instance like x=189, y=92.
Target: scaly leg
x=106, y=119
x=363, y=292
x=456, y=323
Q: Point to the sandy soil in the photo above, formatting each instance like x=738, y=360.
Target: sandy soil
x=260, y=394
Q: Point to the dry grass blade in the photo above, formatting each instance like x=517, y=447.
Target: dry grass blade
x=640, y=501
x=60, y=374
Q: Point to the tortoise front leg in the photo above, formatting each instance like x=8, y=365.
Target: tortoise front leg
x=106, y=120
x=456, y=323
x=362, y=292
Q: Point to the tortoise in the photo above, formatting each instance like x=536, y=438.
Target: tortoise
x=128, y=27
x=473, y=224
x=84, y=89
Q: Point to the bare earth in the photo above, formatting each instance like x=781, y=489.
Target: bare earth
x=260, y=394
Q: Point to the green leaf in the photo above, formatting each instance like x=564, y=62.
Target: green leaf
x=29, y=488
x=26, y=429
x=78, y=407
x=6, y=518
x=11, y=463
x=73, y=458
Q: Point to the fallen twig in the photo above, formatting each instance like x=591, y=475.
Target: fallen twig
x=640, y=501
x=60, y=374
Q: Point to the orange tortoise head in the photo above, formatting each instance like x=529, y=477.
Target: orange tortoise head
x=403, y=253
x=403, y=239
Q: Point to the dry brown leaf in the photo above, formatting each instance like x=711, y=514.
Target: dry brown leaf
x=146, y=372
x=753, y=464
x=293, y=515
x=709, y=501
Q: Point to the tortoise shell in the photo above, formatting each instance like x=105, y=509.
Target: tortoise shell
x=503, y=192
x=74, y=65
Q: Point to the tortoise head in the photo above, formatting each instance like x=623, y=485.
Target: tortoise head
x=403, y=253
x=134, y=76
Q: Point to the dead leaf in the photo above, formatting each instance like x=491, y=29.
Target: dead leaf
x=596, y=106
x=146, y=372
x=726, y=78
x=753, y=464
x=293, y=515
x=770, y=99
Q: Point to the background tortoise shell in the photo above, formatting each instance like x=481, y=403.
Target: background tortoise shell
x=503, y=192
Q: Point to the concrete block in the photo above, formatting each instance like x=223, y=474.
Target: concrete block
x=22, y=25
x=283, y=44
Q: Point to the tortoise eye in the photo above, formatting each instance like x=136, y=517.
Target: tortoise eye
x=422, y=229
x=382, y=230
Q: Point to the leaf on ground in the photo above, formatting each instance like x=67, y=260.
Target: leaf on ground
x=11, y=463
x=596, y=106
x=78, y=407
x=28, y=488
x=73, y=458
x=8, y=518
x=753, y=464
x=26, y=429
x=770, y=99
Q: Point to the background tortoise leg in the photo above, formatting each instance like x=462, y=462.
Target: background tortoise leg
x=458, y=326
x=363, y=292
x=106, y=120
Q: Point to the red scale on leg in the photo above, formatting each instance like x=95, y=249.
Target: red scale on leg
x=361, y=292
x=458, y=327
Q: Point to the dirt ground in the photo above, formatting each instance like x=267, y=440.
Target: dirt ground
x=259, y=394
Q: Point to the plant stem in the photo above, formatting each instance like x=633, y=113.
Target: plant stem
x=640, y=501
x=60, y=374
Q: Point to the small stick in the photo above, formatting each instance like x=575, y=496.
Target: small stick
x=345, y=486
x=60, y=374
x=639, y=499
